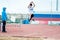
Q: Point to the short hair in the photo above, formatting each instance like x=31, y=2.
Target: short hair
x=4, y=7
x=30, y=4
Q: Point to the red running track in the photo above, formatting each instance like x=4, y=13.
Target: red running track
x=30, y=30
x=47, y=19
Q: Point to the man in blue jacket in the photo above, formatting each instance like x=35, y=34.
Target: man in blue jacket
x=4, y=18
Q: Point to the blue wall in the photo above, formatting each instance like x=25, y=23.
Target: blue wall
x=48, y=15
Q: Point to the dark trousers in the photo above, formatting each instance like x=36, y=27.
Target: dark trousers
x=0, y=26
x=3, y=26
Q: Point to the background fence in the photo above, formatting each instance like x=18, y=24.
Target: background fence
x=42, y=18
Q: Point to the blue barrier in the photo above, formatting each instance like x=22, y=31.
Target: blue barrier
x=47, y=15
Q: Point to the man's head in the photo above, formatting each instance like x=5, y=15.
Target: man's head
x=4, y=8
x=31, y=4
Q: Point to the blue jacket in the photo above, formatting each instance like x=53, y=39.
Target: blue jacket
x=4, y=16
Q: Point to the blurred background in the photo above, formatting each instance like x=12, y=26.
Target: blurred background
x=17, y=10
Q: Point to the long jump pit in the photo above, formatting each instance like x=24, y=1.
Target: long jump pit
x=30, y=32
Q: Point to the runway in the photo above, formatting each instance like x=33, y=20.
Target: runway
x=31, y=30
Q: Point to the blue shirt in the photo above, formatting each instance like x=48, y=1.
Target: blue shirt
x=26, y=21
x=4, y=16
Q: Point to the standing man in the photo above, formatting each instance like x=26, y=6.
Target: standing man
x=4, y=18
